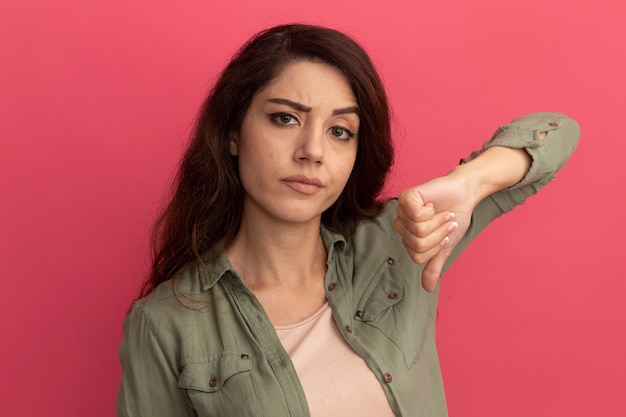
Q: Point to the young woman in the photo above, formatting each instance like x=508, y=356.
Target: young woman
x=281, y=284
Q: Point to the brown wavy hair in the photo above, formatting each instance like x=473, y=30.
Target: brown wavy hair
x=204, y=212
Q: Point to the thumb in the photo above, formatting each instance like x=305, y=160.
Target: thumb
x=411, y=199
x=432, y=271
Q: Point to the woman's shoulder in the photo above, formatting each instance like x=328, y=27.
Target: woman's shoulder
x=378, y=233
x=381, y=224
x=184, y=288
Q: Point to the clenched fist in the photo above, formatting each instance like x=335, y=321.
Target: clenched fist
x=432, y=218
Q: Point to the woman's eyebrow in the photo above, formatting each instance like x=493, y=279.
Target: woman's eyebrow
x=292, y=104
x=301, y=107
x=351, y=109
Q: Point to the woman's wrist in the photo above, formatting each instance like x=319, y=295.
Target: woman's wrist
x=493, y=170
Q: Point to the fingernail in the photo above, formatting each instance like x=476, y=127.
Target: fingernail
x=450, y=216
x=453, y=226
x=445, y=241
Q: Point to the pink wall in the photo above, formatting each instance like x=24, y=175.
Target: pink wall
x=96, y=100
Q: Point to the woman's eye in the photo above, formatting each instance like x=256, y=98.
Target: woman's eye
x=341, y=132
x=284, y=118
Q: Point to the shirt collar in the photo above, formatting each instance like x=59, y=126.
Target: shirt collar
x=212, y=272
x=334, y=242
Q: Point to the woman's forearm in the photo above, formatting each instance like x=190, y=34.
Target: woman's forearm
x=495, y=169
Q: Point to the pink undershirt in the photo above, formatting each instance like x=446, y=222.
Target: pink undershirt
x=336, y=381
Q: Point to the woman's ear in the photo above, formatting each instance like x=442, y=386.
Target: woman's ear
x=234, y=142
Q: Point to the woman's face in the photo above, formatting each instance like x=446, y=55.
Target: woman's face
x=297, y=144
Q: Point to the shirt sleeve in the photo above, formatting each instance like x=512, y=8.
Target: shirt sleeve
x=149, y=384
x=548, y=156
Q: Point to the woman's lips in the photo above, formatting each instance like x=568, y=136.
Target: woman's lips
x=303, y=184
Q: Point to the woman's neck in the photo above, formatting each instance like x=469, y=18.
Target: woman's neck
x=268, y=254
x=283, y=264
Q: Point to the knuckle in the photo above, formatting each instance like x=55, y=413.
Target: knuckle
x=417, y=258
x=421, y=246
x=421, y=230
x=403, y=195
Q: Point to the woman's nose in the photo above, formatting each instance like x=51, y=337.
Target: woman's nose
x=311, y=145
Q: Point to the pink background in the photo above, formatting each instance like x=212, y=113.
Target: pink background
x=97, y=99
